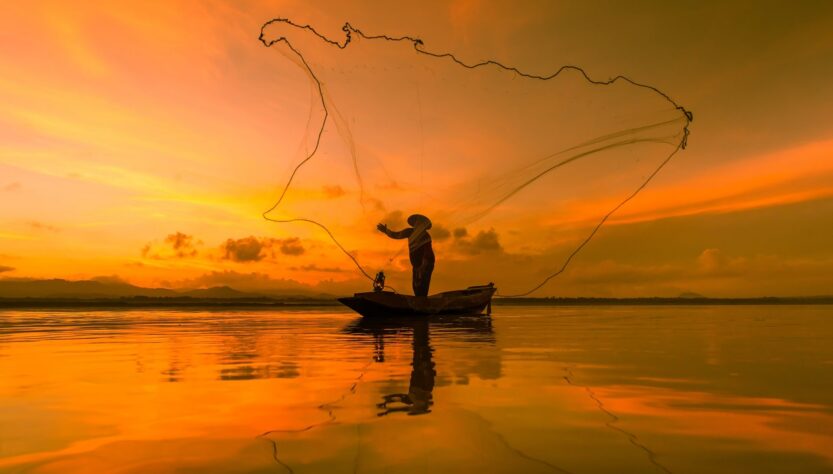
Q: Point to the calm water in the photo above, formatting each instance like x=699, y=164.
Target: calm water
x=578, y=390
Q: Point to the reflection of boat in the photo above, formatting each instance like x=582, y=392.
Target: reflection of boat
x=466, y=328
x=419, y=397
x=472, y=300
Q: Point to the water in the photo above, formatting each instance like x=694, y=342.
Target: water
x=578, y=390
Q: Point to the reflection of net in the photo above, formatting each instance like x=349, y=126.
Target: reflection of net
x=461, y=142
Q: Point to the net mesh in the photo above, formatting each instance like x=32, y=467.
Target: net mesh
x=483, y=149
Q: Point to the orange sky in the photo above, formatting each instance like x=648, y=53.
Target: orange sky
x=143, y=140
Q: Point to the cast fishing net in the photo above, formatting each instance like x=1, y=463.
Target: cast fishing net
x=482, y=148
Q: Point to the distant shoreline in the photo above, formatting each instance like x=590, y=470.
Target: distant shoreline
x=161, y=302
x=267, y=303
x=663, y=301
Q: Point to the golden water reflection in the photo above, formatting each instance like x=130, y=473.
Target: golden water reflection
x=627, y=389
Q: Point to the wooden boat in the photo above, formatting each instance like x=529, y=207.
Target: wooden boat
x=472, y=300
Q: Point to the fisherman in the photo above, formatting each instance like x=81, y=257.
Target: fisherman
x=420, y=251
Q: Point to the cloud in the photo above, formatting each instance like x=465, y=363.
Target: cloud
x=265, y=284
x=11, y=187
x=714, y=262
x=460, y=232
x=291, y=246
x=247, y=249
x=182, y=244
x=42, y=226
x=483, y=242
x=254, y=282
x=315, y=268
x=486, y=241
x=334, y=192
x=395, y=220
x=110, y=279
x=377, y=204
x=609, y=272
x=711, y=260
x=798, y=174
x=254, y=249
x=440, y=233
x=176, y=245
x=713, y=272
x=4, y=269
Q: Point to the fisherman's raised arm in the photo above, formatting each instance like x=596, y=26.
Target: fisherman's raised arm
x=394, y=234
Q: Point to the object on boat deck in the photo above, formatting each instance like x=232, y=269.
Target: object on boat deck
x=379, y=282
x=472, y=300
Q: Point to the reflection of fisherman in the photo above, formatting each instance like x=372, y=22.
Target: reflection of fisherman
x=420, y=251
x=419, y=398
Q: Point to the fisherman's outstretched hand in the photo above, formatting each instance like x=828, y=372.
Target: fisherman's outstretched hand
x=382, y=228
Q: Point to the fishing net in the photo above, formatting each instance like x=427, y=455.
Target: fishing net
x=500, y=159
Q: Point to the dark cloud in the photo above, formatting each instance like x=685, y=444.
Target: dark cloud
x=182, y=244
x=440, y=233
x=177, y=245
x=483, y=242
x=4, y=268
x=486, y=241
x=460, y=232
x=291, y=246
x=247, y=249
x=333, y=192
x=254, y=249
x=14, y=186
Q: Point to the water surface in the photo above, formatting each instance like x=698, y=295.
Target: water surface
x=531, y=389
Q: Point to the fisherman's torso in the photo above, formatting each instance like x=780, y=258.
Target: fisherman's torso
x=419, y=245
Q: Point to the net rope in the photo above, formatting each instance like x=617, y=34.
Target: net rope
x=622, y=138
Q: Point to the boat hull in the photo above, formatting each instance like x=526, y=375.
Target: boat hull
x=472, y=300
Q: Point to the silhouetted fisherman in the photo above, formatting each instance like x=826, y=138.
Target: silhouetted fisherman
x=420, y=251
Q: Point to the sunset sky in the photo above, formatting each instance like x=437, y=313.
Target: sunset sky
x=143, y=140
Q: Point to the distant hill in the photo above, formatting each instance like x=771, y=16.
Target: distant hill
x=690, y=295
x=57, y=288
x=107, y=288
x=112, y=292
x=661, y=301
x=216, y=292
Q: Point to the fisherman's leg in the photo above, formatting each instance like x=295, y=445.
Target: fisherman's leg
x=415, y=280
x=417, y=259
x=422, y=277
x=426, y=270
x=419, y=281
